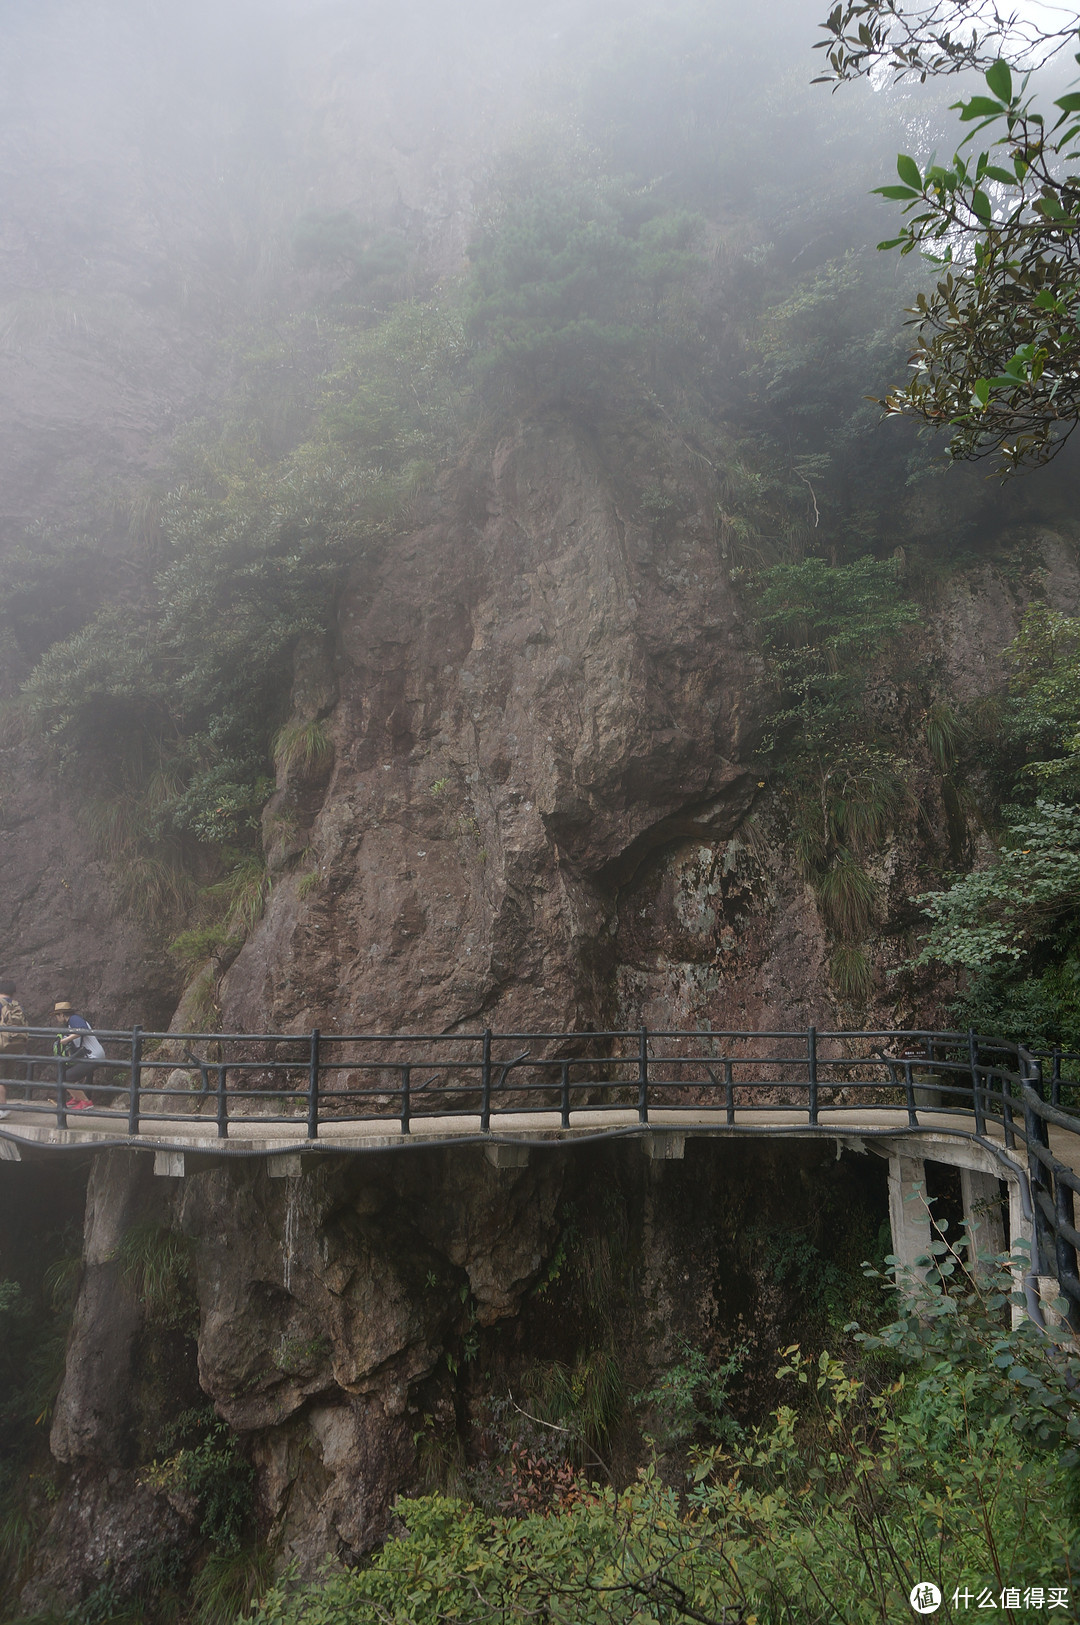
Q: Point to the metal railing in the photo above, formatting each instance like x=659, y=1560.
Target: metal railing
x=319, y=1084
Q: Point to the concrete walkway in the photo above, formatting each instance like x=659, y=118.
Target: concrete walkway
x=993, y=1177
x=253, y=1135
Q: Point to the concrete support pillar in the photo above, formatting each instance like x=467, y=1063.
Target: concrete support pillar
x=661, y=1147
x=169, y=1164
x=909, y=1217
x=1019, y=1230
x=982, y=1214
x=284, y=1165
x=506, y=1156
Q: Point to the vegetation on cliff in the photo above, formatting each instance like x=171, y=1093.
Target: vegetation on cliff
x=1013, y=925
x=675, y=260
x=949, y=1454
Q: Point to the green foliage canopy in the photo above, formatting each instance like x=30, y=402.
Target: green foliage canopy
x=1013, y=924
x=569, y=280
x=171, y=694
x=963, y=1464
x=1000, y=912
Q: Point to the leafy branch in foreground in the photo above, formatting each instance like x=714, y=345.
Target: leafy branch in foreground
x=997, y=358
x=998, y=351
x=872, y=37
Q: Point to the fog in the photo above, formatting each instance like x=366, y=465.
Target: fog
x=185, y=141
x=157, y=163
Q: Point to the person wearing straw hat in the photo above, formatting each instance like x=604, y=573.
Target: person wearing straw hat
x=81, y=1049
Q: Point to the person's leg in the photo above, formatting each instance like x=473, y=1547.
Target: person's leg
x=73, y=1076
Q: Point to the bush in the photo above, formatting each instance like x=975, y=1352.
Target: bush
x=948, y=1454
x=208, y=1467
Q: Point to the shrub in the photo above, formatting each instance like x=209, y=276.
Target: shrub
x=852, y=974
x=209, y=1467
x=953, y=1461
x=302, y=747
x=847, y=897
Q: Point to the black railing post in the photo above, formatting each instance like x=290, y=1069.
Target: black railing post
x=61, y=1094
x=564, y=1098
x=1007, y=1097
x=313, y=1087
x=976, y=1090
x=406, y=1101
x=1037, y=1133
x=729, y=1092
x=811, y=1070
x=222, y=1102
x=485, y=1084
x=135, y=1094
x=1055, y=1080
x=909, y=1091
x=643, y=1076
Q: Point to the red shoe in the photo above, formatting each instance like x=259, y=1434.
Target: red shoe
x=80, y=1105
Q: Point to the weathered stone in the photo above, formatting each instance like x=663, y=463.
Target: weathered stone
x=93, y=1416
x=336, y=1310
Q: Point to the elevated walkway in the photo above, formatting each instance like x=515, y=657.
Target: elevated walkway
x=976, y=1104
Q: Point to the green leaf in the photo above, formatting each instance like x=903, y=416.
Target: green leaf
x=981, y=391
x=999, y=78
x=908, y=171
x=895, y=192
x=979, y=107
x=980, y=204
x=1069, y=103
x=1005, y=176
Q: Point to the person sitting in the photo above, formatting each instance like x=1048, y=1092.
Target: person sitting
x=81, y=1050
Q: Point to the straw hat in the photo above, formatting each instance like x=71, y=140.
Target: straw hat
x=61, y=1005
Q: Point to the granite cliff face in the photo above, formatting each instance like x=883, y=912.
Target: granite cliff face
x=526, y=701
x=544, y=810
x=354, y=1323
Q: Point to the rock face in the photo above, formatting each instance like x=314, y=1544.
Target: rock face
x=68, y=934
x=544, y=811
x=369, y=1309
x=526, y=703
